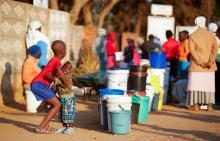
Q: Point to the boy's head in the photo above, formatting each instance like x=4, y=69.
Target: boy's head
x=67, y=67
x=59, y=48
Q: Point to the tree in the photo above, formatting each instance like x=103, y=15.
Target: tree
x=76, y=8
x=53, y=4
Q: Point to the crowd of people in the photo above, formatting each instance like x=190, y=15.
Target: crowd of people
x=192, y=58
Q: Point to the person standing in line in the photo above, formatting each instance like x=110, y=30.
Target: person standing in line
x=111, y=49
x=203, y=51
x=171, y=48
x=183, y=52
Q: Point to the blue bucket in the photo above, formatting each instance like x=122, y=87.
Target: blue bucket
x=110, y=92
x=120, y=121
x=158, y=59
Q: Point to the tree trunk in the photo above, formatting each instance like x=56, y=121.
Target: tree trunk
x=74, y=12
x=106, y=9
x=87, y=15
x=53, y=4
x=139, y=17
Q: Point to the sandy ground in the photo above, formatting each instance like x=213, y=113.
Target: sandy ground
x=172, y=123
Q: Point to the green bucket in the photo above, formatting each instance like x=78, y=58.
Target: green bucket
x=120, y=121
x=140, y=109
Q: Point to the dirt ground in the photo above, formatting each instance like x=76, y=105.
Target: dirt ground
x=172, y=123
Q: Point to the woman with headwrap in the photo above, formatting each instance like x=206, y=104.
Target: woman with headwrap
x=212, y=27
x=203, y=51
x=100, y=48
x=111, y=49
x=34, y=36
x=30, y=70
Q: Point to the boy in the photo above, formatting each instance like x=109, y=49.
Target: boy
x=41, y=83
x=68, y=100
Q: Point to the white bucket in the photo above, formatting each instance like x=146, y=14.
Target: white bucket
x=117, y=79
x=150, y=93
x=145, y=62
x=32, y=103
x=117, y=102
x=119, y=56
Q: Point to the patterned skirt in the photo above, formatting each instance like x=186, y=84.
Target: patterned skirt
x=68, y=109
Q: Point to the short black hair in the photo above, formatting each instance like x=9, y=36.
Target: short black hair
x=169, y=33
x=67, y=64
x=151, y=37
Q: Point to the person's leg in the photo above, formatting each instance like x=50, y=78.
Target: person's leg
x=52, y=112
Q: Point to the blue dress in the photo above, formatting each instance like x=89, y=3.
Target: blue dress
x=43, y=59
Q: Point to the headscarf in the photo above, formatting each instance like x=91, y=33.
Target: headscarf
x=200, y=21
x=212, y=27
x=32, y=33
x=34, y=51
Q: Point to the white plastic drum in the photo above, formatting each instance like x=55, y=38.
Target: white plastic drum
x=32, y=103
x=117, y=79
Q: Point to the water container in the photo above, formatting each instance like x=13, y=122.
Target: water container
x=32, y=103
x=117, y=79
x=137, y=78
x=117, y=103
x=158, y=59
x=143, y=102
x=120, y=121
x=104, y=92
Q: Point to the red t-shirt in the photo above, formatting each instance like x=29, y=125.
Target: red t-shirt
x=171, y=48
x=52, y=67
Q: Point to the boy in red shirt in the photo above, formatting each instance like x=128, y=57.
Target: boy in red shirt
x=41, y=83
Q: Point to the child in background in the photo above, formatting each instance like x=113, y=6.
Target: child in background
x=41, y=83
x=68, y=100
x=183, y=52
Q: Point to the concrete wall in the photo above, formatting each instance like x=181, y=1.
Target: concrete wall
x=14, y=19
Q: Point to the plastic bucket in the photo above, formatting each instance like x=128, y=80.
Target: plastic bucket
x=117, y=103
x=119, y=56
x=158, y=59
x=31, y=102
x=120, y=121
x=160, y=102
x=137, y=78
x=160, y=73
x=142, y=115
x=150, y=93
x=107, y=92
x=155, y=102
x=104, y=116
x=117, y=79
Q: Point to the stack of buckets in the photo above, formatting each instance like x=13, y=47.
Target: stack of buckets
x=115, y=111
x=137, y=90
x=157, y=72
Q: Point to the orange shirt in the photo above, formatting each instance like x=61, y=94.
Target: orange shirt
x=183, y=50
x=29, y=71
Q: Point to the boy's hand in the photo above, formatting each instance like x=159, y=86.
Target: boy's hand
x=50, y=76
x=62, y=76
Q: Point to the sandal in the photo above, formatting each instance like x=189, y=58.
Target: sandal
x=43, y=131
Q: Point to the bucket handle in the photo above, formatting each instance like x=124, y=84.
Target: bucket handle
x=121, y=107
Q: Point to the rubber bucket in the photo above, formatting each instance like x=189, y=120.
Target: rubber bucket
x=120, y=121
x=158, y=59
x=137, y=78
x=117, y=79
x=31, y=102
